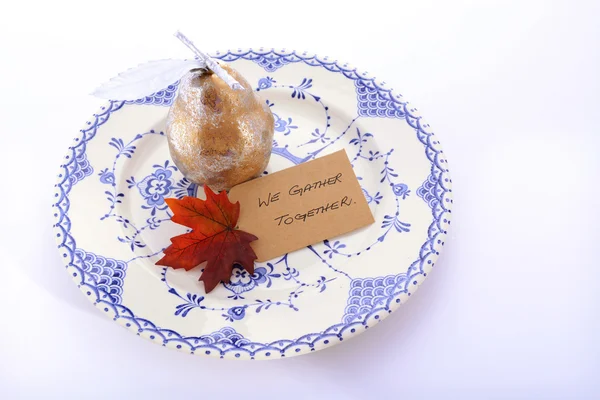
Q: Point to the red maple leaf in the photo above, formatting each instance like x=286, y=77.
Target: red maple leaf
x=213, y=238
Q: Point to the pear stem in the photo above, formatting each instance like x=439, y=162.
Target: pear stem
x=210, y=62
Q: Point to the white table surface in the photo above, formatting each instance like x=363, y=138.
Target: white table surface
x=511, y=87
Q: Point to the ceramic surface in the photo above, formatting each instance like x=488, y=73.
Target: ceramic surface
x=112, y=222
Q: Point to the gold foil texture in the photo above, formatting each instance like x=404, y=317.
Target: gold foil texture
x=219, y=136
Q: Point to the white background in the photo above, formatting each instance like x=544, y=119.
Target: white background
x=511, y=87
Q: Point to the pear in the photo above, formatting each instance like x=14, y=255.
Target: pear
x=219, y=136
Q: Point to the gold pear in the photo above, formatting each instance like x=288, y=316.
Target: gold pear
x=219, y=136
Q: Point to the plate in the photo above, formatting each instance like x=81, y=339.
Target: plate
x=112, y=222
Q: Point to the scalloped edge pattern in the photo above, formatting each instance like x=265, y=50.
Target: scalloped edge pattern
x=226, y=343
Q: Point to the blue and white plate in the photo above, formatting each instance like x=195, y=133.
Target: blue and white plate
x=112, y=221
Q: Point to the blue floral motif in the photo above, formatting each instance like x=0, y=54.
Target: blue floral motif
x=261, y=275
x=388, y=173
x=361, y=138
x=131, y=241
x=242, y=281
x=290, y=274
x=389, y=221
x=155, y=187
x=193, y=301
x=401, y=190
x=126, y=150
x=318, y=137
x=235, y=313
x=265, y=83
x=300, y=91
x=370, y=199
x=333, y=248
x=107, y=177
x=283, y=125
x=185, y=188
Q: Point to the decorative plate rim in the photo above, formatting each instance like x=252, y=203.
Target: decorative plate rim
x=211, y=344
